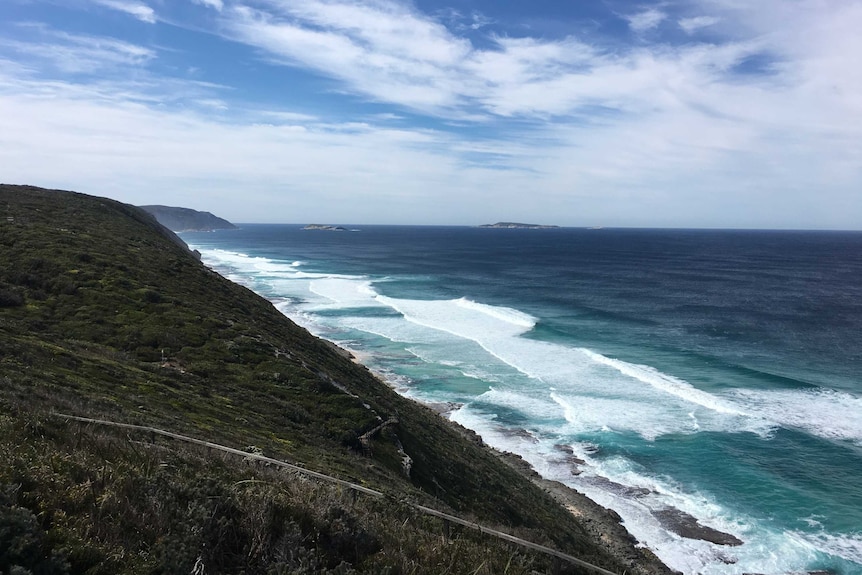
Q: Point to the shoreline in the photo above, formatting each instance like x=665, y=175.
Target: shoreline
x=652, y=509
x=604, y=525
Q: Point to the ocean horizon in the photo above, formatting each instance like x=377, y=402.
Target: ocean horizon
x=671, y=375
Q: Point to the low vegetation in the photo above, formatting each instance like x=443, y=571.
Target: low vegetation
x=104, y=314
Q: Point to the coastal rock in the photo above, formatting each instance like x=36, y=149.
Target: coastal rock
x=570, y=456
x=570, y=459
x=521, y=434
x=687, y=526
x=619, y=488
x=444, y=408
x=606, y=526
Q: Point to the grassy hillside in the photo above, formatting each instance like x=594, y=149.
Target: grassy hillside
x=103, y=313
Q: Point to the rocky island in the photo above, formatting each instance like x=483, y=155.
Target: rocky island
x=187, y=220
x=516, y=225
x=325, y=228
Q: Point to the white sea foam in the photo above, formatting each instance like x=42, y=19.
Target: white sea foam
x=590, y=414
x=254, y=268
x=463, y=317
x=824, y=413
x=395, y=329
x=666, y=383
x=610, y=392
x=537, y=408
x=345, y=293
x=846, y=546
x=619, y=484
x=505, y=314
x=245, y=262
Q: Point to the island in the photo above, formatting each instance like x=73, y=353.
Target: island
x=187, y=219
x=325, y=228
x=516, y=225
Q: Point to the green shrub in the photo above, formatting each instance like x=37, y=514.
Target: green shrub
x=23, y=546
x=10, y=297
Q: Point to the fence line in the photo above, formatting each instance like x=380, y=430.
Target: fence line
x=347, y=484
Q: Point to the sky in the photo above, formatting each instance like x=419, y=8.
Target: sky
x=695, y=113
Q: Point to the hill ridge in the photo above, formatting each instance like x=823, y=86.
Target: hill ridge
x=180, y=219
x=105, y=315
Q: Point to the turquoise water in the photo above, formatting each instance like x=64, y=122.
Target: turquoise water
x=712, y=372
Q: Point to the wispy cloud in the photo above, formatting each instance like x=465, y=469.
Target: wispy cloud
x=216, y=4
x=140, y=11
x=691, y=25
x=460, y=22
x=382, y=50
x=388, y=53
x=75, y=53
x=646, y=20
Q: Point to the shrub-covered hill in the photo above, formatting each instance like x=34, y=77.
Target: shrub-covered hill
x=104, y=313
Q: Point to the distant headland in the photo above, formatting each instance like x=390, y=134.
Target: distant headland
x=516, y=225
x=187, y=219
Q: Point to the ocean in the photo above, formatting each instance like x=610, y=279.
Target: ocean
x=666, y=374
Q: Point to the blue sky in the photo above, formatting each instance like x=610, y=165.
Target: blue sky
x=702, y=113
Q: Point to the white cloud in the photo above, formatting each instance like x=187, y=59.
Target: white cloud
x=299, y=172
x=676, y=166
x=646, y=20
x=215, y=4
x=140, y=11
x=290, y=116
x=644, y=134
x=381, y=50
x=73, y=53
x=480, y=21
x=692, y=25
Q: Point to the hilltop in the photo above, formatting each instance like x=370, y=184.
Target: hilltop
x=187, y=220
x=105, y=314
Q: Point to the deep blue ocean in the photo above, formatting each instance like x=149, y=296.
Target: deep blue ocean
x=718, y=373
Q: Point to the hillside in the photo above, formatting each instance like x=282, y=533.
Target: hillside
x=104, y=314
x=186, y=219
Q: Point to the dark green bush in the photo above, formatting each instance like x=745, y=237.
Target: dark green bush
x=10, y=297
x=23, y=546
